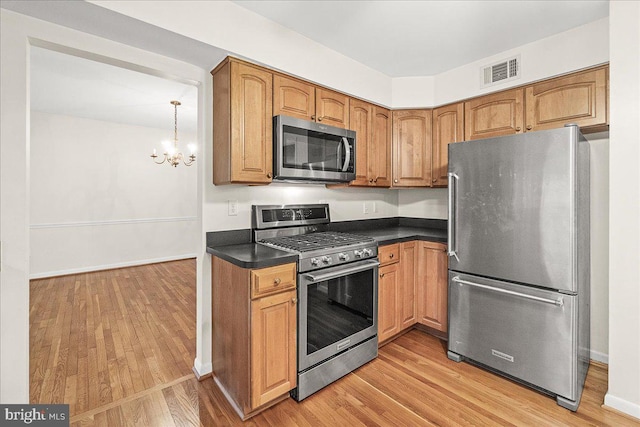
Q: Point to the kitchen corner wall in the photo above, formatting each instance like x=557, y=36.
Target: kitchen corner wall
x=98, y=201
x=345, y=203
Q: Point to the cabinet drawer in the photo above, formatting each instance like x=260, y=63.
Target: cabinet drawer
x=389, y=254
x=272, y=280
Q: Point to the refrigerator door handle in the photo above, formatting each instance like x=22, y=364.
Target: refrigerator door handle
x=451, y=230
x=559, y=302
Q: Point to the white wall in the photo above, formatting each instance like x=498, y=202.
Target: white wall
x=244, y=33
x=580, y=47
x=423, y=203
x=624, y=209
x=17, y=34
x=98, y=200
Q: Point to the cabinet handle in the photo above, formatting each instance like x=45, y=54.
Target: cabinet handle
x=294, y=300
x=319, y=119
x=371, y=181
x=277, y=281
x=375, y=180
x=395, y=180
x=529, y=127
x=434, y=180
x=269, y=175
x=518, y=129
x=390, y=255
x=381, y=275
x=313, y=117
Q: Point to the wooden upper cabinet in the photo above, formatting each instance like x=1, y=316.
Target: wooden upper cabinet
x=242, y=124
x=293, y=97
x=380, y=148
x=412, y=148
x=372, y=125
x=492, y=115
x=360, y=115
x=332, y=108
x=448, y=126
x=296, y=98
x=579, y=98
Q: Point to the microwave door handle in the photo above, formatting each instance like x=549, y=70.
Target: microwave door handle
x=347, y=155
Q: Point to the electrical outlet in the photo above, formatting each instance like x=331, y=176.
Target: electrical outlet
x=233, y=207
x=375, y=207
x=365, y=208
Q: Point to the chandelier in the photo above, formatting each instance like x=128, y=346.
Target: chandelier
x=171, y=155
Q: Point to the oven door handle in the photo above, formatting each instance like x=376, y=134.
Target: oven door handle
x=342, y=272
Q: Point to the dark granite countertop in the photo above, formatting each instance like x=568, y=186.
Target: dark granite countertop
x=252, y=255
x=236, y=247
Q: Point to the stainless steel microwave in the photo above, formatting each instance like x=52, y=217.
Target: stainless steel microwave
x=305, y=151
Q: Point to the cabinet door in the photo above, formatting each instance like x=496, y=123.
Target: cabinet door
x=332, y=108
x=412, y=148
x=251, y=124
x=293, y=98
x=494, y=115
x=388, y=302
x=432, y=285
x=579, y=98
x=408, y=310
x=448, y=126
x=360, y=114
x=380, y=148
x=273, y=347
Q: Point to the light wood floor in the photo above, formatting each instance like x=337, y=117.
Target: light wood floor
x=411, y=383
x=96, y=338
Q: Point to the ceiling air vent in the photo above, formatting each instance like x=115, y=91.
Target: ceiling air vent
x=499, y=72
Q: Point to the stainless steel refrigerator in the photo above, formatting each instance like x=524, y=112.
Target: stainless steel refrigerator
x=519, y=273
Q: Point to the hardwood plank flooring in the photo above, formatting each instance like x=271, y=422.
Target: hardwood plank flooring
x=97, y=338
x=118, y=346
x=411, y=383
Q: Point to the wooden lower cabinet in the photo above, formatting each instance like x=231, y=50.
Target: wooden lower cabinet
x=432, y=285
x=412, y=287
x=273, y=347
x=388, y=299
x=253, y=336
x=407, y=307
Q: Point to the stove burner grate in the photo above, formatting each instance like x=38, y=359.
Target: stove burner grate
x=314, y=241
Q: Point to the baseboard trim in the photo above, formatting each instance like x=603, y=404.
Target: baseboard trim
x=624, y=407
x=599, y=357
x=201, y=377
x=95, y=268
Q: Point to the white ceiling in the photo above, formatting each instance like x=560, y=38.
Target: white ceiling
x=424, y=38
x=74, y=86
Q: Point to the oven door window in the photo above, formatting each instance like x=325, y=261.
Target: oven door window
x=338, y=308
x=310, y=150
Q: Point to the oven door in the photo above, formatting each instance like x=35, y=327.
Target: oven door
x=338, y=308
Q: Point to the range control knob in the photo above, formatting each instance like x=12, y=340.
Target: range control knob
x=343, y=257
x=367, y=252
x=315, y=262
x=357, y=253
x=327, y=259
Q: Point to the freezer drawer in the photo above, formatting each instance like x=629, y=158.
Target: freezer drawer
x=524, y=332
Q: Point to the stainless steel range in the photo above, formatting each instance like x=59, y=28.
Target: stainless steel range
x=337, y=291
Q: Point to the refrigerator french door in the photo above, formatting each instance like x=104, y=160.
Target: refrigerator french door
x=519, y=258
